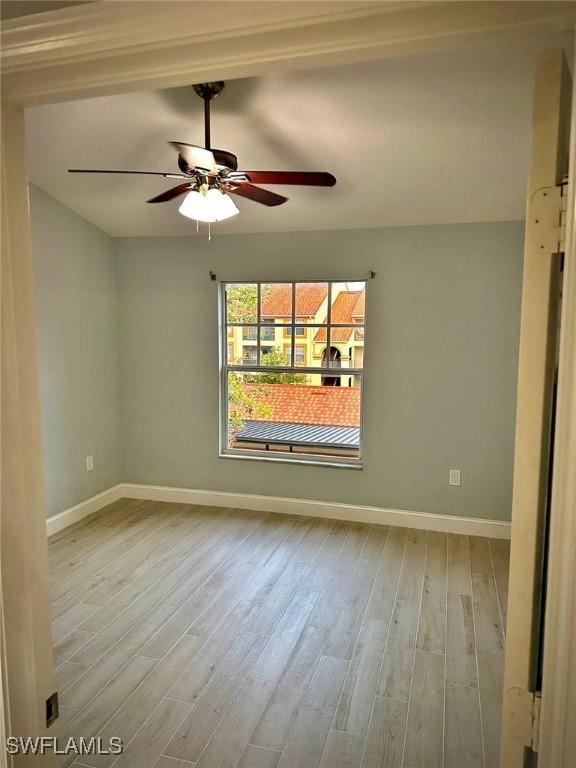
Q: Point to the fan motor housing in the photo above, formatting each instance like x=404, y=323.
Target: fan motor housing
x=222, y=157
x=209, y=90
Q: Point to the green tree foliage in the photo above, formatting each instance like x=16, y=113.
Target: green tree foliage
x=244, y=403
x=241, y=303
x=276, y=358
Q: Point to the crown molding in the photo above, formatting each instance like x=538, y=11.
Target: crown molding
x=107, y=47
x=107, y=28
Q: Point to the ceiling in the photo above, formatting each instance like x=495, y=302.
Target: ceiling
x=436, y=138
x=13, y=9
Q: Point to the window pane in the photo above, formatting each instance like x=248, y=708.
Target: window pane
x=231, y=353
x=248, y=355
x=241, y=302
x=241, y=344
x=348, y=302
x=268, y=335
x=249, y=333
x=272, y=352
x=274, y=412
x=346, y=347
x=300, y=354
x=346, y=351
x=276, y=302
x=311, y=303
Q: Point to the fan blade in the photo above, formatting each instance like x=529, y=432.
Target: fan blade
x=195, y=157
x=226, y=159
x=257, y=194
x=138, y=173
x=309, y=178
x=170, y=194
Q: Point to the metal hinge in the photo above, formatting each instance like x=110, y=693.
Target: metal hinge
x=536, y=707
x=548, y=211
x=523, y=711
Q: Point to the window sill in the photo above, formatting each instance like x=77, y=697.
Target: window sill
x=316, y=461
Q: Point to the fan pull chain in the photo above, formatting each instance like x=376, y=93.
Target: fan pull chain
x=209, y=232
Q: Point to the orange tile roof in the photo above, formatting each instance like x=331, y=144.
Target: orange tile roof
x=343, y=310
x=278, y=300
x=359, y=310
x=303, y=404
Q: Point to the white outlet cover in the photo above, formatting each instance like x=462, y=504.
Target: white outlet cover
x=454, y=477
x=89, y=463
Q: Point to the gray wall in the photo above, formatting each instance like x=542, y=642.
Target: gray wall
x=127, y=338
x=78, y=352
x=441, y=357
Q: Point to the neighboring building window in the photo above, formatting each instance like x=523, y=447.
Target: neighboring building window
x=268, y=334
x=299, y=353
x=299, y=330
x=294, y=390
x=249, y=356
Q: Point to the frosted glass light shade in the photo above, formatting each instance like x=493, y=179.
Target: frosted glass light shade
x=210, y=206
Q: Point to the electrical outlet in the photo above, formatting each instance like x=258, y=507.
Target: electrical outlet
x=453, y=477
x=89, y=463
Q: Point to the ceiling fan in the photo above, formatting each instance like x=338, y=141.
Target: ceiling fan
x=212, y=175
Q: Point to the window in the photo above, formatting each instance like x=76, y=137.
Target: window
x=299, y=353
x=299, y=330
x=249, y=334
x=250, y=356
x=295, y=391
x=268, y=334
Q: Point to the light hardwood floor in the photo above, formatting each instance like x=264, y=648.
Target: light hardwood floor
x=230, y=639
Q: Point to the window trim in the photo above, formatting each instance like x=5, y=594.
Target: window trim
x=347, y=462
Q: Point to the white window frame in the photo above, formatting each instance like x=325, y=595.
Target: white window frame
x=349, y=462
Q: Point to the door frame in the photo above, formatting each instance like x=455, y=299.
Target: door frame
x=541, y=288
x=98, y=49
x=557, y=733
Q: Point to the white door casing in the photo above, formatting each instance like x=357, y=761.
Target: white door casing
x=536, y=377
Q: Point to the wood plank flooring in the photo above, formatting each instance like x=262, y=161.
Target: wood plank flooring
x=210, y=638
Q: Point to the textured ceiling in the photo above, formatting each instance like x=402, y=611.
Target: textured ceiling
x=437, y=138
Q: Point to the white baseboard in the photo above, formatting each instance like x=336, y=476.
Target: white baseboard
x=83, y=509
x=471, y=526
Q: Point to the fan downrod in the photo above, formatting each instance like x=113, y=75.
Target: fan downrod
x=207, y=92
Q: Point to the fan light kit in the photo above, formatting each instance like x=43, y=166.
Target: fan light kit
x=212, y=175
x=208, y=205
